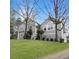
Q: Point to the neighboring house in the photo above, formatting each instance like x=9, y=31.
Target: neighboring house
x=49, y=30
x=30, y=25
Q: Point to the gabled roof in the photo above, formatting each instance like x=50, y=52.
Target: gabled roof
x=52, y=19
x=29, y=21
x=49, y=18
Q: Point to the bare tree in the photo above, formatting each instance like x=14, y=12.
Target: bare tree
x=61, y=15
x=25, y=9
x=59, y=12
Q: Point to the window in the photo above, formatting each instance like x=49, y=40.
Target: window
x=51, y=27
x=48, y=28
x=44, y=29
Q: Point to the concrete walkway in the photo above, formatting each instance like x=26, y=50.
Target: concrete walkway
x=60, y=55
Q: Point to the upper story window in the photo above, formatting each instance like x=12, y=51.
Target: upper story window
x=44, y=29
x=49, y=28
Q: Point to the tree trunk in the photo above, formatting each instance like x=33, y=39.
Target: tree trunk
x=56, y=36
x=56, y=16
x=18, y=33
x=25, y=34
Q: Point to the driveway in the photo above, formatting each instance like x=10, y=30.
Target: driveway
x=60, y=55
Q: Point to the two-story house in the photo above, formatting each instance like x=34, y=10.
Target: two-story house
x=21, y=30
x=49, y=30
x=48, y=26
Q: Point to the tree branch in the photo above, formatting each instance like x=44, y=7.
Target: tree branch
x=18, y=13
x=32, y=7
x=20, y=9
x=63, y=23
x=63, y=13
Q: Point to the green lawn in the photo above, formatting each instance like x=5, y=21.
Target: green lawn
x=32, y=49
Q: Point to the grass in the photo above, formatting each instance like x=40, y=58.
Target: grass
x=32, y=49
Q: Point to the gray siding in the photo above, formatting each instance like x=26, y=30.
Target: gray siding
x=30, y=24
x=50, y=30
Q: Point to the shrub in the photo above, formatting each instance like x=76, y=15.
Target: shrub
x=13, y=37
x=61, y=40
x=37, y=38
x=43, y=38
x=47, y=39
x=26, y=36
x=39, y=32
x=67, y=41
x=51, y=39
x=56, y=40
x=29, y=33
